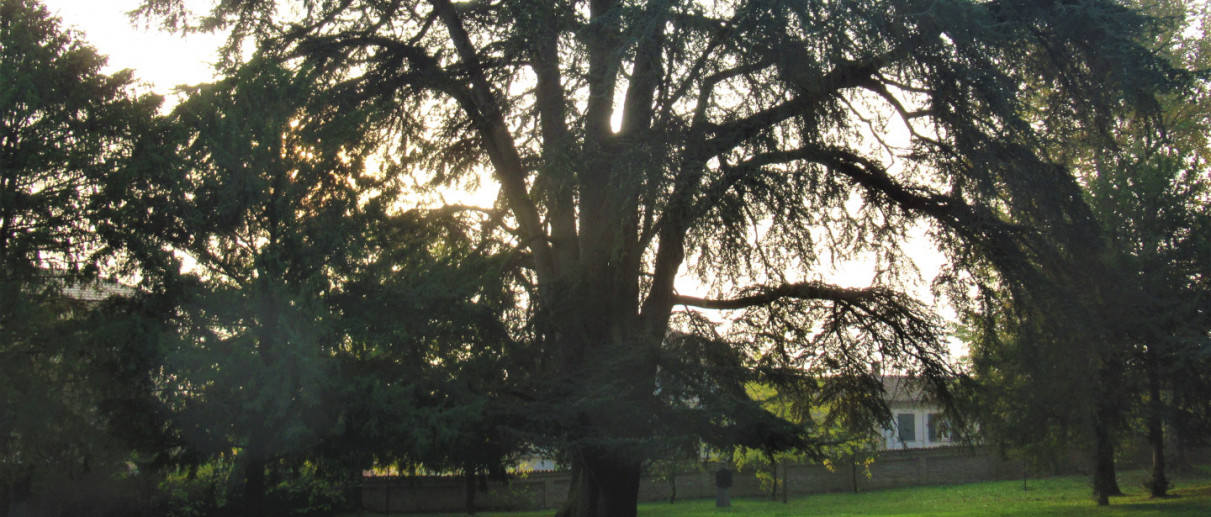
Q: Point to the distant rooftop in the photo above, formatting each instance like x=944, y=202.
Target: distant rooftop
x=902, y=388
x=97, y=291
x=90, y=291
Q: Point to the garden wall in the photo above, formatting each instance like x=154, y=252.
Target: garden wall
x=550, y=489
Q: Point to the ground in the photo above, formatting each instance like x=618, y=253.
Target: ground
x=1053, y=496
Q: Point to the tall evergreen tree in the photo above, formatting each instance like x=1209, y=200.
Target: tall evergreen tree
x=66, y=375
x=1152, y=199
x=314, y=320
x=742, y=142
x=265, y=205
x=1144, y=180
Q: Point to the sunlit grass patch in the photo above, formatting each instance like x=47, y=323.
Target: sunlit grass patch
x=1070, y=495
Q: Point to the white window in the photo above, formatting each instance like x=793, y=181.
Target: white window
x=939, y=428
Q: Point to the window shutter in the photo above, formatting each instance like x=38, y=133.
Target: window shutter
x=907, y=424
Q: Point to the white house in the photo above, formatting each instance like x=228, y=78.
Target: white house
x=916, y=422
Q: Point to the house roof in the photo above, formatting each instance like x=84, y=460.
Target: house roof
x=96, y=291
x=903, y=388
x=87, y=290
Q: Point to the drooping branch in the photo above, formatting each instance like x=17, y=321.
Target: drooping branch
x=951, y=211
x=706, y=91
x=1025, y=255
x=813, y=91
x=680, y=211
x=906, y=116
x=763, y=295
x=844, y=328
x=1006, y=244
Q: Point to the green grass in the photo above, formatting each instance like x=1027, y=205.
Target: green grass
x=1053, y=496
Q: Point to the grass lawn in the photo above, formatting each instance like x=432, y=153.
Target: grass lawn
x=1053, y=496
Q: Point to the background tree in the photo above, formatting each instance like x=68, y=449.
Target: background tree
x=1151, y=198
x=744, y=143
x=844, y=431
x=427, y=351
x=265, y=205
x=1142, y=179
x=71, y=376
x=678, y=457
x=315, y=324
x=1154, y=210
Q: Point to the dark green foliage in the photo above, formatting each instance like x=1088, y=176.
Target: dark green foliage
x=1057, y=381
x=745, y=143
x=73, y=383
x=292, y=326
x=264, y=204
x=313, y=323
x=66, y=127
x=1152, y=199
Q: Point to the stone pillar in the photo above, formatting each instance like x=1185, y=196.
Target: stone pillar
x=723, y=485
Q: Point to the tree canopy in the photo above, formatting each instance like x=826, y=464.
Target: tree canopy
x=322, y=284
x=1136, y=356
x=744, y=143
x=66, y=390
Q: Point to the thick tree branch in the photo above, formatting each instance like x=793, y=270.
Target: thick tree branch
x=602, y=42
x=602, y=39
x=551, y=101
x=646, y=73
x=813, y=91
x=498, y=142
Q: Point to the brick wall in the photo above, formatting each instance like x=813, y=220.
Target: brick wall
x=550, y=489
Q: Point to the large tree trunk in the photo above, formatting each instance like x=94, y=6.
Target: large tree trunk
x=1105, y=482
x=609, y=378
x=853, y=472
x=773, y=467
x=254, y=486
x=604, y=484
x=785, y=484
x=19, y=491
x=1158, y=485
x=469, y=478
x=1105, y=418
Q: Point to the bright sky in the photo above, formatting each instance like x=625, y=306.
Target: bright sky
x=161, y=59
